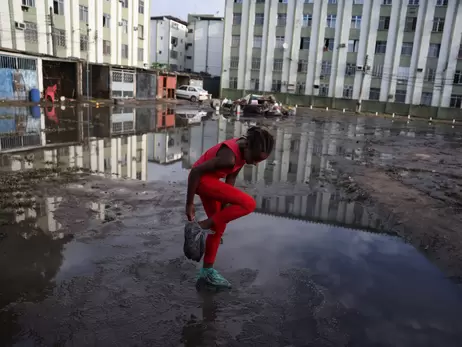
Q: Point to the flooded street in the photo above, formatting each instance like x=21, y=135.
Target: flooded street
x=355, y=240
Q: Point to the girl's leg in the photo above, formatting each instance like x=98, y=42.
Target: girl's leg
x=211, y=207
x=241, y=203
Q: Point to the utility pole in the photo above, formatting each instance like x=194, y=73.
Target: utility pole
x=360, y=99
x=53, y=34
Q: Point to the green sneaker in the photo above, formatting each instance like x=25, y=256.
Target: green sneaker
x=212, y=278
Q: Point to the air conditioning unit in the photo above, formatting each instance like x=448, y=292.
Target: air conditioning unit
x=19, y=26
x=135, y=28
x=419, y=70
x=121, y=24
x=342, y=45
x=359, y=68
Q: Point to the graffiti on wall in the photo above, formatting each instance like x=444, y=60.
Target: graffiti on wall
x=17, y=77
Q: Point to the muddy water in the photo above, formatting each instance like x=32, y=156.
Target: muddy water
x=91, y=235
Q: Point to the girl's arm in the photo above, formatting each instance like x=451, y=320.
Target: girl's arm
x=231, y=178
x=225, y=159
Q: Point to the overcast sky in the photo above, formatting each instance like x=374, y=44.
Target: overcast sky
x=181, y=8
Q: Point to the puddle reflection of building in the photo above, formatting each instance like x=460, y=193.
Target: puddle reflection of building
x=20, y=127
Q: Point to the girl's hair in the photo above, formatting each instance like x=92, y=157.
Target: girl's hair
x=260, y=140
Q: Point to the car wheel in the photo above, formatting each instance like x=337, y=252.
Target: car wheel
x=193, y=99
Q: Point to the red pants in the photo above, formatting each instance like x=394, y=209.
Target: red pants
x=215, y=193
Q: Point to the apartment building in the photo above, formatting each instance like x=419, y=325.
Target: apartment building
x=394, y=51
x=168, y=42
x=112, y=32
x=204, y=44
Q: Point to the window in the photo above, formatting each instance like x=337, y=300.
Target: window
x=459, y=55
x=238, y=1
x=276, y=86
x=301, y=87
x=384, y=23
x=281, y=19
x=124, y=3
x=324, y=90
x=328, y=45
x=374, y=94
x=302, y=65
x=30, y=32
x=350, y=69
x=237, y=17
x=140, y=31
x=356, y=22
x=83, y=13
x=140, y=54
x=307, y=20
x=438, y=24
x=358, y=2
x=60, y=37
x=106, y=47
x=347, y=92
x=441, y=2
x=106, y=20
x=283, y=1
x=410, y=24
x=380, y=47
x=430, y=75
x=280, y=41
x=456, y=101
x=188, y=57
x=353, y=46
x=235, y=39
x=305, y=43
x=58, y=7
x=326, y=67
x=125, y=26
x=331, y=20
x=400, y=96
x=257, y=41
x=406, y=48
x=377, y=71
x=256, y=63
x=277, y=65
x=141, y=6
x=434, y=50
x=426, y=98
x=386, y=2
x=255, y=83
x=84, y=43
x=332, y=2
x=259, y=18
x=458, y=77
x=124, y=51
x=414, y=2
x=403, y=74
x=309, y=1
x=173, y=54
x=30, y=3
x=260, y=1
x=234, y=64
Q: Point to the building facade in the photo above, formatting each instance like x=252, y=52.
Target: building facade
x=389, y=51
x=204, y=44
x=111, y=32
x=168, y=42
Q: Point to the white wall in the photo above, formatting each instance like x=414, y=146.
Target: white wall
x=207, y=46
x=161, y=32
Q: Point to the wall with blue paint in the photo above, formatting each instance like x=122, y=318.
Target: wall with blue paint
x=18, y=75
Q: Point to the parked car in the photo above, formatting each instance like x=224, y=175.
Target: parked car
x=192, y=93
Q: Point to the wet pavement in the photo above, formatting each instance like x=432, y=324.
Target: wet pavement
x=91, y=233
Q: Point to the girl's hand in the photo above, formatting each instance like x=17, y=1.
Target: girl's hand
x=190, y=212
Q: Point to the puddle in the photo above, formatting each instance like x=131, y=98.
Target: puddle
x=315, y=263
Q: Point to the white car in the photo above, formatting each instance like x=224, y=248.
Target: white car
x=192, y=93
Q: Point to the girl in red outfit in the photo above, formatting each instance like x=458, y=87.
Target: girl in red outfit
x=222, y=201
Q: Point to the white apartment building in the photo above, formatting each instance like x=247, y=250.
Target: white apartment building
x=168, y=42
x=204, y=44
x=112, y=32
x=403, y=51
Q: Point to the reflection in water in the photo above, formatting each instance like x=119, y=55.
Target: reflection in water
x=155, y=144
